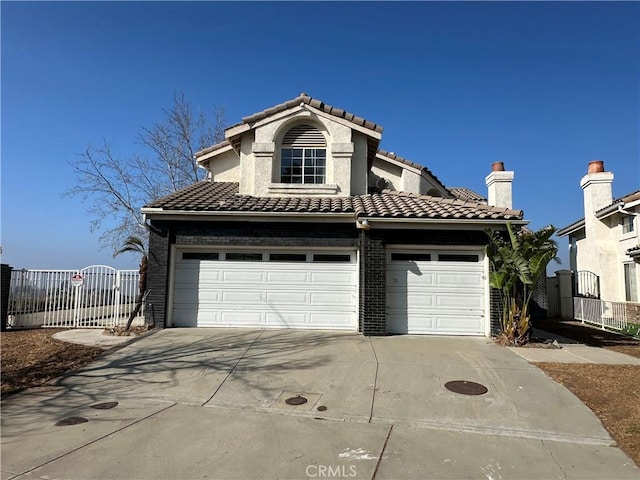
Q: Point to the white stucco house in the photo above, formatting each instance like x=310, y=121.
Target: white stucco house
x=605, y=241
x=304, y=222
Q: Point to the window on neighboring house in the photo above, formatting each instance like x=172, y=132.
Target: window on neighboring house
x=630, y=282
x=627, y=224
x=303, y=157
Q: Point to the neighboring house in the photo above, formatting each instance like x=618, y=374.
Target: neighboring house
x=605, y=242
x=304, y=223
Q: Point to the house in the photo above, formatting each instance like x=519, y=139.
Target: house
x=303, y=222
x=604, y=245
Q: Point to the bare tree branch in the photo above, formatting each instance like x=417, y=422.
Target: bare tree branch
x=117, y=187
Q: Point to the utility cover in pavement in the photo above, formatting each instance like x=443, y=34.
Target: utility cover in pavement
x=71, y=421
x=466, y=388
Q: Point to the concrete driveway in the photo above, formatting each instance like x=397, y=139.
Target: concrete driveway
x=210, y=403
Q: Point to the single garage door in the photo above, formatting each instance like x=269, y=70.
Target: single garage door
x=278, y=289
x=436, y=292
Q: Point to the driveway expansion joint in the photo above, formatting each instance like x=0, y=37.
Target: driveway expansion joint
x=375, y=381
x=233, y=369
x=384, y=447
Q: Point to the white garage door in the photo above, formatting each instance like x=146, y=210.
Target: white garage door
x=265, y=289
x=436, y=292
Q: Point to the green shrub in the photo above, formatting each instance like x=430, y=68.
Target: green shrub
x=632, y=329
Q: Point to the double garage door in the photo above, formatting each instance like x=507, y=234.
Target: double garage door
x=436, y=292
x=277, y=289
x=427, y=291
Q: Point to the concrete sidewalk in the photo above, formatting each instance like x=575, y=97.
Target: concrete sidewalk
x=195, y=403
x=572, y=352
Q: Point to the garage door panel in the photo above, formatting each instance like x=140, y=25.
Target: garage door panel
x=418, y=301
x=287, y=319
x=472, y=279
x=332, y=277
x=246, y=297
x=331, y=299
x=286, y=298
x=241, y=275
x=455, y=301
x=325, y=320
x=241, y=317
x=287, y=277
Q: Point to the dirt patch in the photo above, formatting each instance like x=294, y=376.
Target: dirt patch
x=123, y=332
x=612, y=392
x=31, y=358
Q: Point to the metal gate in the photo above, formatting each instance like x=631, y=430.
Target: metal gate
x=98, y=296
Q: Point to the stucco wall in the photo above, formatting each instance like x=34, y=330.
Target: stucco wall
x=225, y=167
x=392, y=173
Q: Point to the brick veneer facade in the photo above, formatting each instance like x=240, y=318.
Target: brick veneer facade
x=371, y=244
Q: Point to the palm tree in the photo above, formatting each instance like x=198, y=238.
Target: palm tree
x=516, y=266
x=136, y=245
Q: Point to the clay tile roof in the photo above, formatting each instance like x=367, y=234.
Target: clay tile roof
x=633, y=251
x=314, y=102
x=208, y=196
x=213, y=148
x=466, y=194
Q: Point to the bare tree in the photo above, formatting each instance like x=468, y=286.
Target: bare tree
x=117, y=187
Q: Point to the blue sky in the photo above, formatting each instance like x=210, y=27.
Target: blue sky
x=543, y=86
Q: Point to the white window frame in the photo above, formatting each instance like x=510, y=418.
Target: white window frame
x=630, y=282
x=313, y=157
x=627, y=224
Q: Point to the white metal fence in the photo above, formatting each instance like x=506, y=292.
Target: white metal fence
x=600, y=312
x=93, y=297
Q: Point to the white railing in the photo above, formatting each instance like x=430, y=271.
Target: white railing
x=94, y=297
x=603, y=313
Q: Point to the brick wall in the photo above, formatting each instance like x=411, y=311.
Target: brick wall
x=373, y=300
x=633, y=312
x=158, y=274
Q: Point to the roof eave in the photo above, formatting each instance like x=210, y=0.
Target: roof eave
x=452, y=223
x=574, y=227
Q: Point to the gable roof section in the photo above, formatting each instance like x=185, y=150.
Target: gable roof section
x=623, y=202
x=424, y=171
x=314, y=102
x=233, y=133
x=223, y=197
x=619, y=202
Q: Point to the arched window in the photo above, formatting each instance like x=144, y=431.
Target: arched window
x=303, y=157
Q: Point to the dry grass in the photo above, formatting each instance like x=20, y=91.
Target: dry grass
x=31, y=358
x=612, y=392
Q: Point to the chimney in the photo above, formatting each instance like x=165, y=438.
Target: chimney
x=499, y=186
x=597, y=188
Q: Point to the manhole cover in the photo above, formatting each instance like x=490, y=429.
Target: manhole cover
x=466, y=388
x=322, y=408
x=297, y=400
x=105, y=405
x=71, y=421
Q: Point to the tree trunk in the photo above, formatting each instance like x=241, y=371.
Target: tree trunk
x=142, y=287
